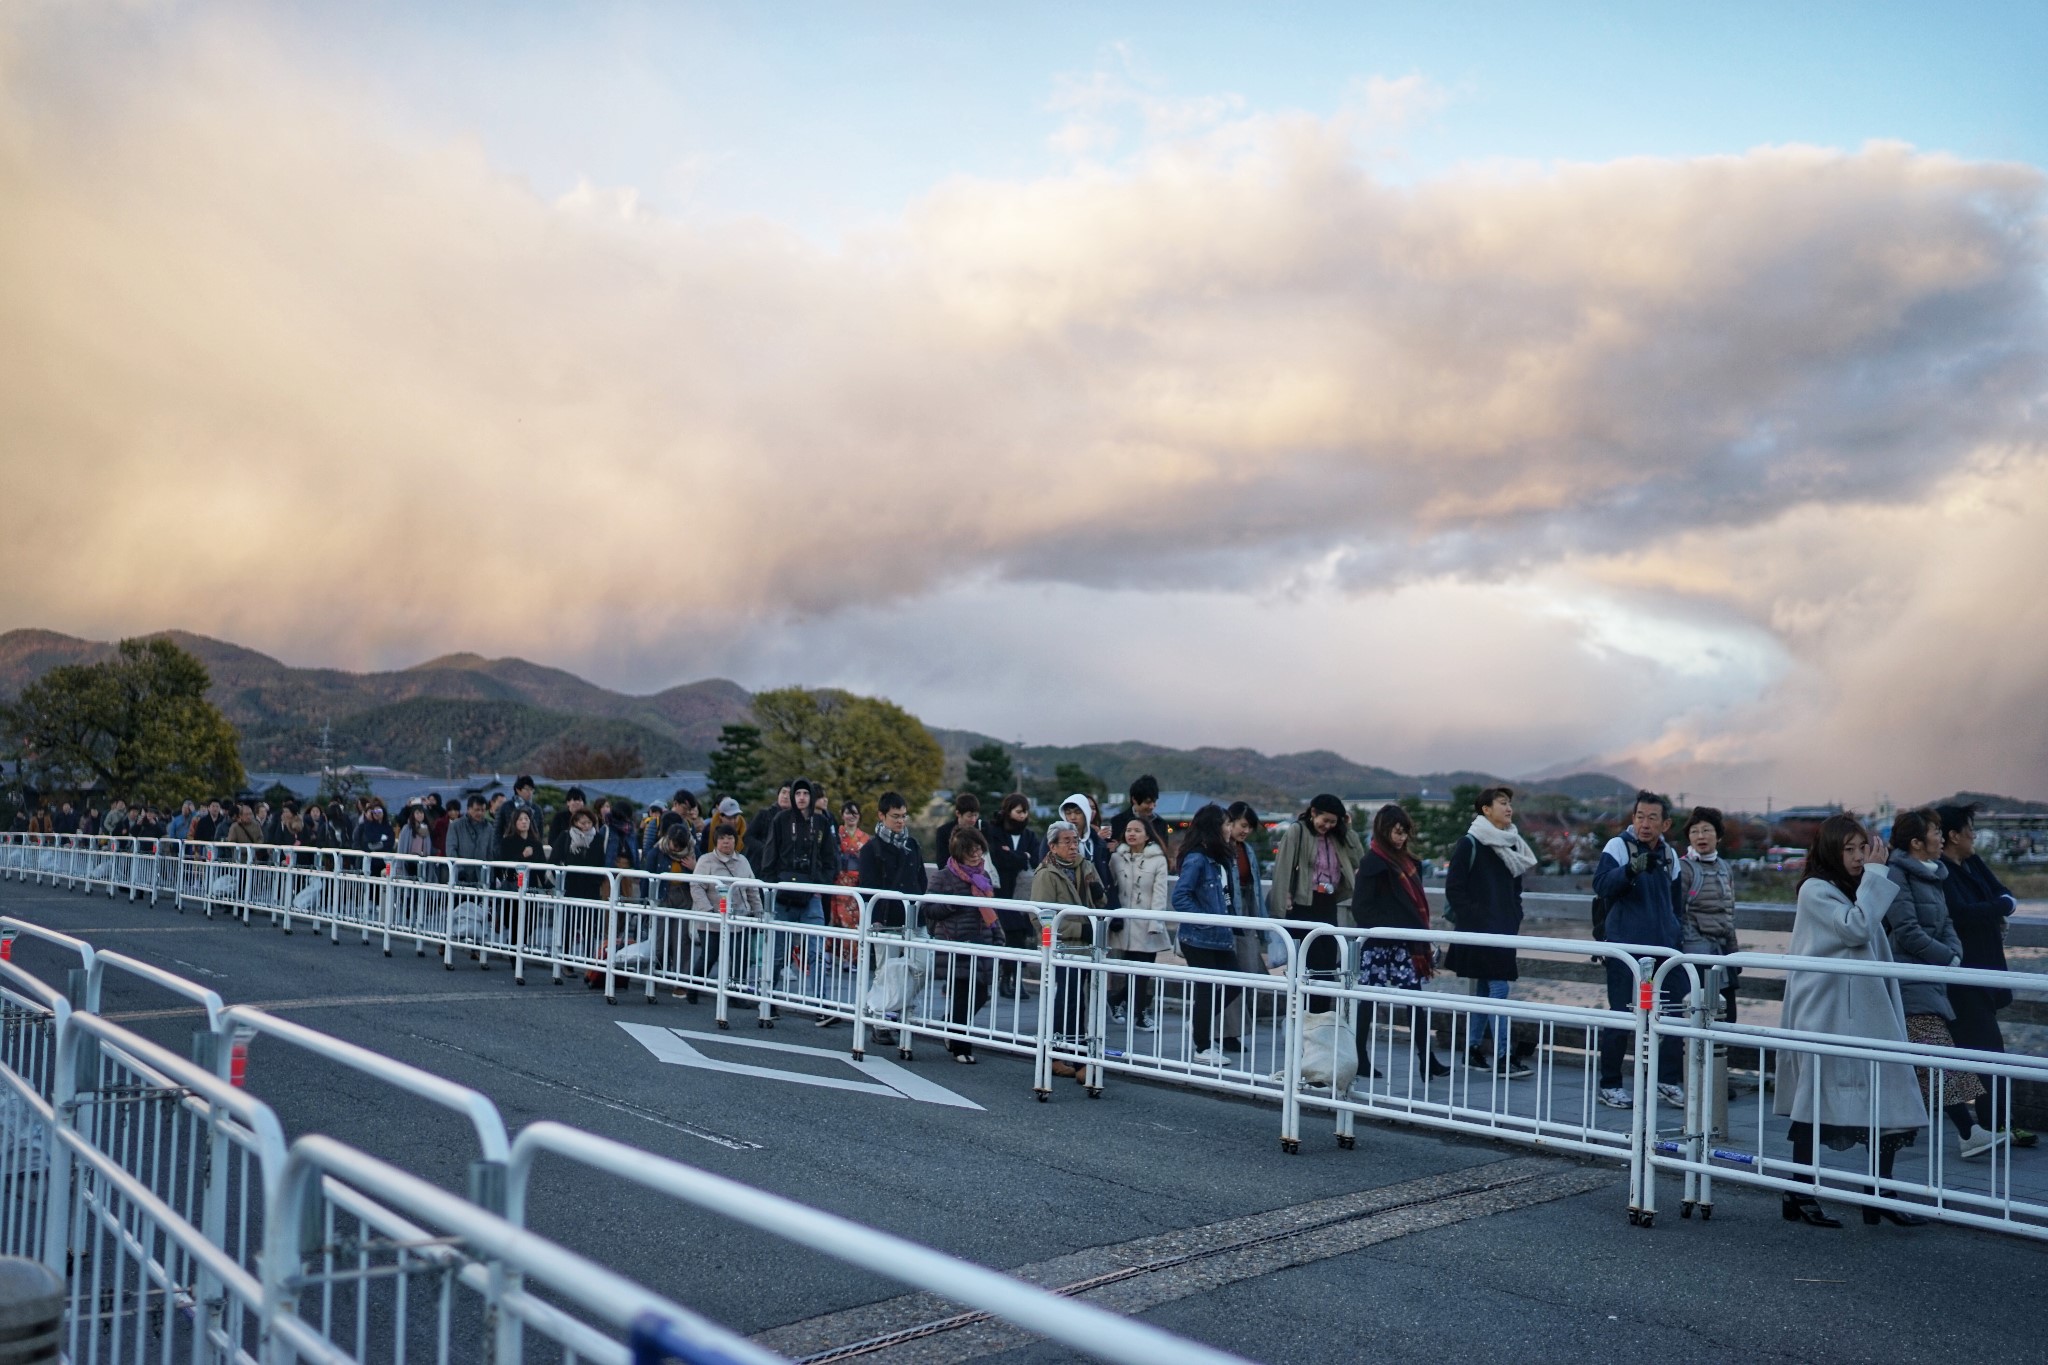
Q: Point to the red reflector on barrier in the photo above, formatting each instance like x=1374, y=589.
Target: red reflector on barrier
x=1646, y=997
x=7, y=948
x=238, y=1064
x=1045, y=936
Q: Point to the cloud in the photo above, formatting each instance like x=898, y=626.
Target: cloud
x=278, y=373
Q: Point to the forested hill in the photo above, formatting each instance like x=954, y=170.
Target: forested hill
x=502, y=714
x=499, y=712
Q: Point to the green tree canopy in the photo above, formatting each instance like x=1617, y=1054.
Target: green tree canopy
x=737, y=768
x=857, y=747
x=138, y=725
x=1437, y=828
x=990, y=774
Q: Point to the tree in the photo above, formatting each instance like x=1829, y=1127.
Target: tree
x=990, y=775
x=857, y=747
x=737, y=768
x=1072, y=777
x=138, y=725
x=568, y=756
x=1437, y=828
x=1066, y=779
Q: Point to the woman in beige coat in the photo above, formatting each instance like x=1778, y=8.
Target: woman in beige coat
x=1314, y=872
x=1837, y=1100
x=1139, y=866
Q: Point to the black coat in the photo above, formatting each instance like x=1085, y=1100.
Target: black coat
x=1978, y=908
x=1378, y=903
x=1481, y=898
x=799, y=849
x=885, y=867
x=1014, y=854
x=583, y=886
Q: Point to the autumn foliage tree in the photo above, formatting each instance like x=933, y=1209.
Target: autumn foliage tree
x=138, y=725
x=857, y=747
x=571, y=757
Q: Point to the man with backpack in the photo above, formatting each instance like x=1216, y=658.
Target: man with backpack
x=1639, y=890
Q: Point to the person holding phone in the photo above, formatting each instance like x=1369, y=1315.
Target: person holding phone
x=1843, y=899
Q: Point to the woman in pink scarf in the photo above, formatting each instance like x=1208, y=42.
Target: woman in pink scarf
x=965, y=876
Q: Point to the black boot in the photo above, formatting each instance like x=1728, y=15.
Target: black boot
x=1804, y=1208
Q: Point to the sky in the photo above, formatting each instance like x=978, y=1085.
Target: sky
x=1658, y=388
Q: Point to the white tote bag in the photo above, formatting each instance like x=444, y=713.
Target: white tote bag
x=1329, y=1053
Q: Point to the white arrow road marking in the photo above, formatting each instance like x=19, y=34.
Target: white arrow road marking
x=885, y=1078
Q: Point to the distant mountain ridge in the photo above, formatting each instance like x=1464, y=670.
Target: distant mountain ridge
x=500, y=713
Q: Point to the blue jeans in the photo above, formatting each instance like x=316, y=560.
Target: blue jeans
x=810, y=949
x=1494, y=1026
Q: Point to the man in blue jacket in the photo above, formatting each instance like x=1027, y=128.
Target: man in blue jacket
x=1638, y=881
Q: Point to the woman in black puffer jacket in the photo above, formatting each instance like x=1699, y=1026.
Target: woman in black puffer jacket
x=965, y=875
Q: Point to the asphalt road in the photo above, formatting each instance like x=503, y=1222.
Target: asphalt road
x=1180, y=1206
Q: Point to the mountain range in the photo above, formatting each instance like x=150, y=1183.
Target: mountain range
x=502, y=714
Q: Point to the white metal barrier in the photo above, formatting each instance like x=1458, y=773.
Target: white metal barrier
x=755, y=946
x=1710, y=1146
x=188, y=1230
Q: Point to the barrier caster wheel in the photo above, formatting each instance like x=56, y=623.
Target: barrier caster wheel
x=611, y=1000
x=1649, y=1219
x=1094, y=1092
x=905, y=1053
x=764, y=1023
x=519, y=981
x=1291, y=1146
x=725, y=1023
x=387, y=952
x=448, y=966
x=1043, y=1095
x=859, y=1056
x=1706, y=1213
x=1635, y=1218
x=1347, y=1141
x=1685, y=1209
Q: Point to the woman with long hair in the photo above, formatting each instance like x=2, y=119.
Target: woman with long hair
x=1390, y=895
x=1313, y=873
x=1204, y=888
x=1838, y=1101
x=1014, y=853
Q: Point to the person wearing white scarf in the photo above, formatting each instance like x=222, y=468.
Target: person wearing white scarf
x=1483, y=895
x=1505, y=840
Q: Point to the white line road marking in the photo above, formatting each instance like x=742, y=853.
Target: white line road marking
x=886, y=1079
x=218, y=976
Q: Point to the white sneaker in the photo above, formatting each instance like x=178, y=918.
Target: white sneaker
x=1147, y=1024
x=1980, y=1141
x=1617, y=1097
x=1211, y=1056
x=1117, y=1014
x=1673, y=1095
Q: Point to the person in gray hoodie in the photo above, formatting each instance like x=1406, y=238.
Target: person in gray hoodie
x=1921, y=930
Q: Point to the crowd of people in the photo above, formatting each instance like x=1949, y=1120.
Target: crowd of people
x=1926, y=897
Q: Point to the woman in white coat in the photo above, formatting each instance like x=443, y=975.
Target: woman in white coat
x=1837, y=1100
x=1139, y=866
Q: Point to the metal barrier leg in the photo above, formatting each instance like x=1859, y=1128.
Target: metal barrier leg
x=1048, y=992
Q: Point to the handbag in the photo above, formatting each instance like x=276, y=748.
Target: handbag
x=1329, y=1052
x=896, y=986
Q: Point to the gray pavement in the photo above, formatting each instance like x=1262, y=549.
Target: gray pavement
x=1172, y=1203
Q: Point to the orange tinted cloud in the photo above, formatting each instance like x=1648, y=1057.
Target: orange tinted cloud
x=276, y=373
